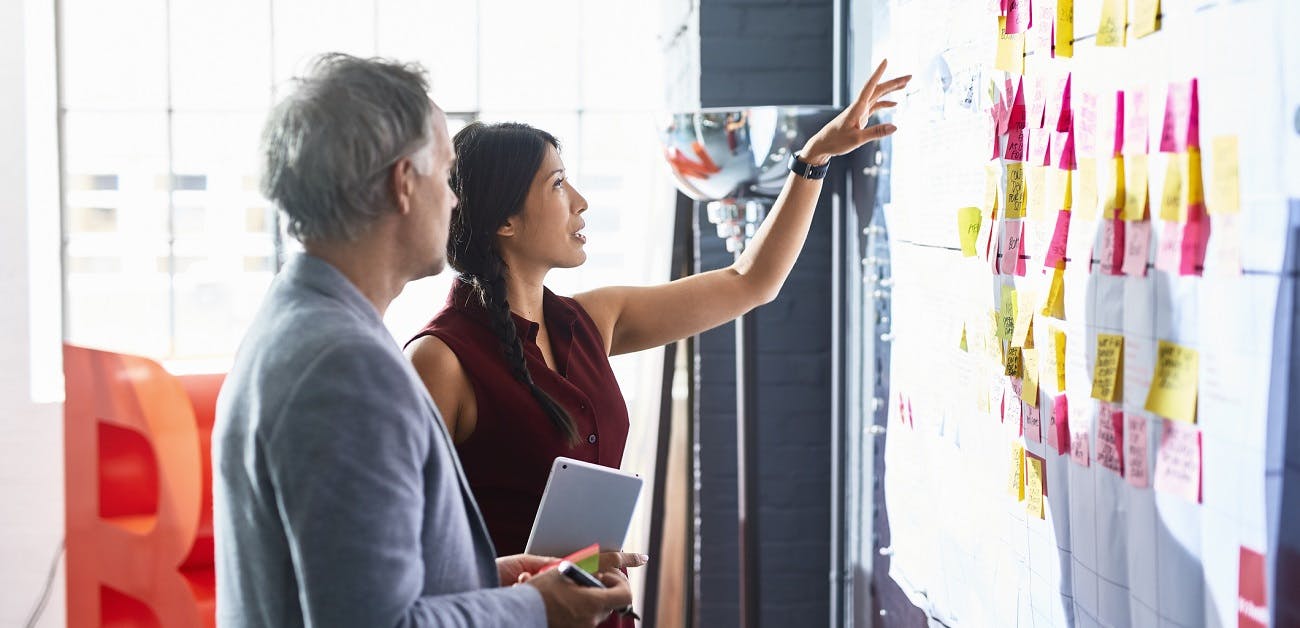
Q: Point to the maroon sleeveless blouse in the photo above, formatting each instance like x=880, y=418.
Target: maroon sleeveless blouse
x=507, y=458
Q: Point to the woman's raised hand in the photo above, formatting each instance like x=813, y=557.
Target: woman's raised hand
x=848, y=131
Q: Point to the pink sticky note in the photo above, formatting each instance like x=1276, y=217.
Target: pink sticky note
x=1178, y=460
x=1085, y=127
x=1016, y=140
x=1136, y=125
x=1110, y=438
x=1039, y=143
x=1135, y=450
x=1001, y=116
x=1019, y=115
x=1079, y=449
x=1196, y=234
x=1064, y=116
x=1112, y=246
x=1173, y=136
x=1033, y=424
x=1065, y=159
x=992, y=136
x=1012, y=406
x=1252, y=588
x=1013, y=235
x=1194, y=116
x=1117, y=146
x=1058, y=433
x=1170, y=249
x=1060, y=238
x=1018, y=16
x=1137, y=248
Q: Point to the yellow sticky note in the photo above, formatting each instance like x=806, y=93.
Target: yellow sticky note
x=1054, y=307
x=1007, y=313
x=1013, y=365
x=1034, y=487
x=1173, y=388
x=1113, y=201
x=1135, y=187
x=968, y=229
x=1146, y=17
x=1114, y=17
x=963, y=345
x=1016, y=483
x=991, y=176
x=1172, y=202
x=1024, y=320
x=1011, y=49
x=1065, y=28
x=1195, y=186
x=1029, y=364
x=1037, y=192
x=1058, y=339
x=994, y=337
x=1015, y=205
x=1061, y=196
x=1108, y=369
x=1227, y=179
x=1085, y=189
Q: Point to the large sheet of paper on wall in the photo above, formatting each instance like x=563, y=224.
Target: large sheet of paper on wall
x=1148, y=490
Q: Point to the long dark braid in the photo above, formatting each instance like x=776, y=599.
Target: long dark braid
x=495, y=165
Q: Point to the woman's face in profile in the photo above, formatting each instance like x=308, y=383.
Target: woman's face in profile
x=548, y=231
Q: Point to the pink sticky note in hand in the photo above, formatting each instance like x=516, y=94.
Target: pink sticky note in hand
x=1137, y=248
x=1135, y=451
x=1110, y=438
x=1196, y=234
x=1178, y=460
x=1060, y=238
x=1170, y=249
x=1112, y=247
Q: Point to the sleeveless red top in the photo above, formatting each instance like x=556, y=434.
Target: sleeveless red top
x=507, y=458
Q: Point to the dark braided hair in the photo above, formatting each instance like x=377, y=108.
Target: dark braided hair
x=495, y=166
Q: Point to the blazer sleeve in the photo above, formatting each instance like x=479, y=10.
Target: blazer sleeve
x=346, y=458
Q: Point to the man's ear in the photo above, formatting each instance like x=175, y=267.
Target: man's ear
x=401, y=182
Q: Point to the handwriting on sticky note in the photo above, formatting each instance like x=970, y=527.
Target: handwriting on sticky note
x=1054, y=306
x=1178, y=461
x=1173, y=200
x=1107, y=379
x=1024, y=319
x=1007, y=313
x=1137, y=248
x=1135, y=187
x=1111, y=251
x=1173, y=388
x=1011, y=408
x=968, y=229
x=1226, y=187
x=1113, y=199
x=1196, y=235
x=1013, y=239
x=1029, y=365
x=1060, y=239
x=1011, y=49
x=1136, y=123
x=1177, y=120
x=1013, y=365
x=1079, y=449
x=1017, y=142
x=1035, y=485
x=1018, y=16
x=1114, y=16
x=1033, y=424
x=1016, y=481
x=1146, y=17
x=1135, y=450
x=1110, y=438
x=1064, y=28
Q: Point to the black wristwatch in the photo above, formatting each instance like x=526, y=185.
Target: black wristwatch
x=807, y=170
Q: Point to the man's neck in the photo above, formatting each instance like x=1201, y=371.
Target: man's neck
x=369, y=266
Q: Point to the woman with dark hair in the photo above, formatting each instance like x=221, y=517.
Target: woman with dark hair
x=522, y=375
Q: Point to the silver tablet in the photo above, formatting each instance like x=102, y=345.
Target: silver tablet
x=583, y=503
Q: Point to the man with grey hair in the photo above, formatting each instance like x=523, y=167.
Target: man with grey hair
x=338, y=499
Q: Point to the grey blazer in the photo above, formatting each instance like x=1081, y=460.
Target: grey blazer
x=338, y=499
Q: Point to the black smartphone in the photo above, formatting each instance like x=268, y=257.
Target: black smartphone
x=579, y=575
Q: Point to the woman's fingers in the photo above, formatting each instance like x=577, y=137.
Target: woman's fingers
x=868, y=93
x=875, y=132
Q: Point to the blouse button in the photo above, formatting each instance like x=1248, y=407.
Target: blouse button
x=592, y=439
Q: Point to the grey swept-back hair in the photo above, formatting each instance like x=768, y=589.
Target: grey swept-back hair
x=328, y=146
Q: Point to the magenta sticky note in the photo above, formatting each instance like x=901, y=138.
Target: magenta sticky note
x=1178, y=460
x=1110, y=438
x=1112, y=246
x=1060, y=238
x=1065, y=159
x=1013, y=233
x=1136, y=127
x=1033, y=424
x=1170, y=249
x=1177, y=122
x=1079, y=449
x=1196, y=234
x=1058, y=435
x=1016, y=140
x=1135, y=451
x=1137, y=248
x=1018, y=16
x=1064, y=115
x=1194, y=116
x=1019, y=115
